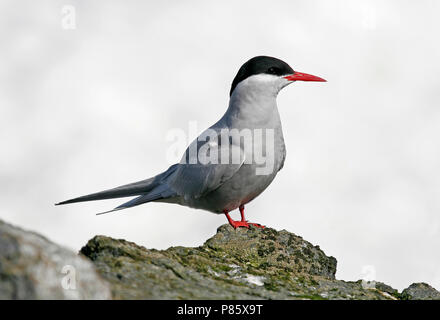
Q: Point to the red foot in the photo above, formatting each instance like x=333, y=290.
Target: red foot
x=243, y=223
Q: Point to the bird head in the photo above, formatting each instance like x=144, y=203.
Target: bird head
x=267, y=74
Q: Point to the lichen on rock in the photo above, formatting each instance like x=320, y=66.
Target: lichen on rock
x=234, y=264
x=420, y=291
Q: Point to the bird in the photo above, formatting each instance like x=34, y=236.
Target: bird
x=223, y=173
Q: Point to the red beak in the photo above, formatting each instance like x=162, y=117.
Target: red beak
x=299, y=76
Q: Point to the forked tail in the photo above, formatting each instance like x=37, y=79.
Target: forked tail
x=148, y=190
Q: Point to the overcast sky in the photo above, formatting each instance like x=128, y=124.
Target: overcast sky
x=89, y=108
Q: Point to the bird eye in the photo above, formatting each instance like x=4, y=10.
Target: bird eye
x=272, y=70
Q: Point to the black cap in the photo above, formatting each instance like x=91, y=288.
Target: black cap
x=258, y=65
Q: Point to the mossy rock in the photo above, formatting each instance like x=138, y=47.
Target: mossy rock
x=234, y=264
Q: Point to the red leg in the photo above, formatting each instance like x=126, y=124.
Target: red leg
x=241, y=208
x=235, y=224
x=243, y=222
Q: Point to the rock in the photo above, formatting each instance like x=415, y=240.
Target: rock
x=387, y=290
x=233, y=264
x=31, y=267
x=420, y=291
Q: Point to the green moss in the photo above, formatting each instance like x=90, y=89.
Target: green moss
x=307, y=251
x=204, y=272
x=282, y=257
x=270, y=286
x=313, y=282
x=202, y=268
x=221, y=267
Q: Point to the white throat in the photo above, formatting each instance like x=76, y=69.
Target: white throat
x=253, y=101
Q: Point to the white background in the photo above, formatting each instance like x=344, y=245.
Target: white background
x=88, y=109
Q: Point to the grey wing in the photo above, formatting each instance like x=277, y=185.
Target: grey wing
x=207, y=169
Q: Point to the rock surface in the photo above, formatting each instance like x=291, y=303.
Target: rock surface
x=32, y=267
x=233, y=264
x=420, y=291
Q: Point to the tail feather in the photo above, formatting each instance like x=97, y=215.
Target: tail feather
x=160, y=192
x=128, y=190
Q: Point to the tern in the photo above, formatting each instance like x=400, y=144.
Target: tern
x=223, y=173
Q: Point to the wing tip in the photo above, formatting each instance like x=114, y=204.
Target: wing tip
x=67, y=201
x=115, y=209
